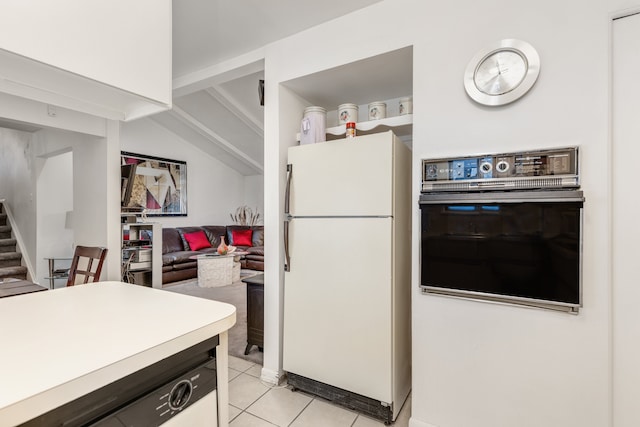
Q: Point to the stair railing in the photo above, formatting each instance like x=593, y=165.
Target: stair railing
x=26, y=260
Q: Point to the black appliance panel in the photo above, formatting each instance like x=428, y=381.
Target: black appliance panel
x=510, y=248
x=145, y=398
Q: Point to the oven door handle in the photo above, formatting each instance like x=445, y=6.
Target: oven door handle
x=552, y=196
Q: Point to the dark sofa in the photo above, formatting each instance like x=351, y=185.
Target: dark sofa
x=176, y=251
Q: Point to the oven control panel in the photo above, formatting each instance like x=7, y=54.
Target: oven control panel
x=541, y=169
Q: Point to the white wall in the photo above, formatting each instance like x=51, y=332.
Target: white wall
x=254, y=194
x=96, y=184
x=507, y=365
x=479, y=364
x=55, y=238
x=213, y=190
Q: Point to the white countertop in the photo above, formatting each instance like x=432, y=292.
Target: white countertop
x=59, y=345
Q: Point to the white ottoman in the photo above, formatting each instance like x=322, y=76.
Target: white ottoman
x=216, y=270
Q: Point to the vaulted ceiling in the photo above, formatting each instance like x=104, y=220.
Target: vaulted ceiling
x=217, y=63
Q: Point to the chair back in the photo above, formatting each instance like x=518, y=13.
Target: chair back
x=87, y=264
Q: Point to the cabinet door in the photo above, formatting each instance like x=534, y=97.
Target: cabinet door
x=625, y=207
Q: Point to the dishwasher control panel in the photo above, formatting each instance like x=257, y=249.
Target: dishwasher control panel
x=167, y=401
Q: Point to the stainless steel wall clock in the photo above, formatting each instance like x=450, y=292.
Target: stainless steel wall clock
x=502, y=72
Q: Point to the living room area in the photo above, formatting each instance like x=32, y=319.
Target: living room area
x=67, y=162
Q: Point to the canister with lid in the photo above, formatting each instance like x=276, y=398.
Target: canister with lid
x=406, y=105
x=347, y=113
x=313, y=125
x=377, y=110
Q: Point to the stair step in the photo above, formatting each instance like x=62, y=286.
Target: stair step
x=18, y=272
x=7, y=245
x=3, y=219
x=5, y=231
x=10, y=259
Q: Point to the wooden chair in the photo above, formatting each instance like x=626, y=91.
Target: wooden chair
x=86, y=255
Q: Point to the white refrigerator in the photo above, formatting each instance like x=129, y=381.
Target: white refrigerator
x=347, y=300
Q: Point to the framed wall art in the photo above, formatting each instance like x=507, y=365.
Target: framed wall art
x=158, y=187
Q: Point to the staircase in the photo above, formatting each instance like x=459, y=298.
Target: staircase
x=10, y=259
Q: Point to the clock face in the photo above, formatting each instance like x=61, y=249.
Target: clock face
x=502, y=73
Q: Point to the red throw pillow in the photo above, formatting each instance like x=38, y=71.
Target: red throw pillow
x=241, y=237
x=197, y=240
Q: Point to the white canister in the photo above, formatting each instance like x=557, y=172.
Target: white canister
x=313, y=125
x=406, y=106
x=377, y=110
x=347, y=113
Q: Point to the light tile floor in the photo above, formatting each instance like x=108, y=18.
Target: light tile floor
x=253, y=403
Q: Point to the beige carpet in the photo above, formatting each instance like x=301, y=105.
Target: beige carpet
x=235, y=294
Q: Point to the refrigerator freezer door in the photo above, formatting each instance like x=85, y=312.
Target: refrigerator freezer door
x=348, y=177
x=338, y=304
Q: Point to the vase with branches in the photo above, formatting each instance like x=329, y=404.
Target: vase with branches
x=244, y=215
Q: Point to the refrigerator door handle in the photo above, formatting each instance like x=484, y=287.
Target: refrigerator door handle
x=287, y=189
x=287, y=258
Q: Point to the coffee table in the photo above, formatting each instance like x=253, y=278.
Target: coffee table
x=218, y=270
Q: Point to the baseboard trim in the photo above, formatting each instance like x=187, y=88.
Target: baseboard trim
x=271, y=377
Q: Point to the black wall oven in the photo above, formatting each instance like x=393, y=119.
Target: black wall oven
x=514, y=239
